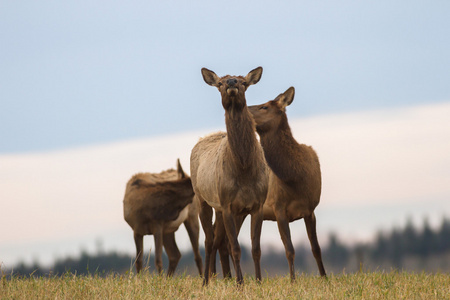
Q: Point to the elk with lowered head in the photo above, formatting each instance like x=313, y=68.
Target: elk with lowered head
x=157, y=204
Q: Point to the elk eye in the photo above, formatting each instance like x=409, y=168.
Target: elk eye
x=219, y=84
x=263, y=107
x=244, y=82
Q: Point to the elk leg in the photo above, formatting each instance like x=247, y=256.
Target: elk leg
x=285, y=234
x=172, y=252
x=310, y=223
x=212, y=267
x=206, y=220
x=239, y=220
x=256, y=227
x=221, y=243
x=224, y=255
x=216, y=243
x=139, y=242
x=158, y=236
x=193, y=227
x=230, y=227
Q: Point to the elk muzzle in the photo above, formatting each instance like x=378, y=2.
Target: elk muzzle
x=232, y=88
x=231, y=82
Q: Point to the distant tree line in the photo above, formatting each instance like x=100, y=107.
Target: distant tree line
x=400, y=248
x=399, y=245
x=406, y=248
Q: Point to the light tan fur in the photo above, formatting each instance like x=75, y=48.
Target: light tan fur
x=229, y=172
x=157, y=204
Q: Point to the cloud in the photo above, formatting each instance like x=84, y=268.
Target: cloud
x=377, y=167
x=382, y=156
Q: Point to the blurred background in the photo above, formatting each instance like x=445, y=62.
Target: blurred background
x=93, y=92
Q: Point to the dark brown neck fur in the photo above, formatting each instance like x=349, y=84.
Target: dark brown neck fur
x=281, y=151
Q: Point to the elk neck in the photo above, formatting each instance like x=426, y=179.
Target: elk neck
x=281, y=150
x=242, y=140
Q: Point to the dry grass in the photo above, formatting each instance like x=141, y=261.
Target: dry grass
x=149, y=286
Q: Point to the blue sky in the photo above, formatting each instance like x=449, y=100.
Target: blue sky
x=93, y=92
x=81, y=73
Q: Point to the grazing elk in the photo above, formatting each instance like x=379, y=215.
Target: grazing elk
x=295, y=179
x=229, y=172
x=157, y=204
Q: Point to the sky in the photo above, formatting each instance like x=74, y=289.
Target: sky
x=93, y=92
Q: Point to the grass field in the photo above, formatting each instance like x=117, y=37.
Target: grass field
x=392, y=285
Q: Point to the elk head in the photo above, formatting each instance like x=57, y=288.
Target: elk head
x=232, y=88
x=268, y=116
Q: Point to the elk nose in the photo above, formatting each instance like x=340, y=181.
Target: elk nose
x=232, y=81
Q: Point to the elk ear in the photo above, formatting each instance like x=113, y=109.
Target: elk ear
x=180, y=171
x=286, y=98
x=210, y=77
x=254, y=76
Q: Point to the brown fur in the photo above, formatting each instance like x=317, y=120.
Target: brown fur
x=228, y=171
x=295, y=181
x=157, y=204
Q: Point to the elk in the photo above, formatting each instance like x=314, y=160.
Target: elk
x=229, y=171
x=295, y=179
x=157, y=204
